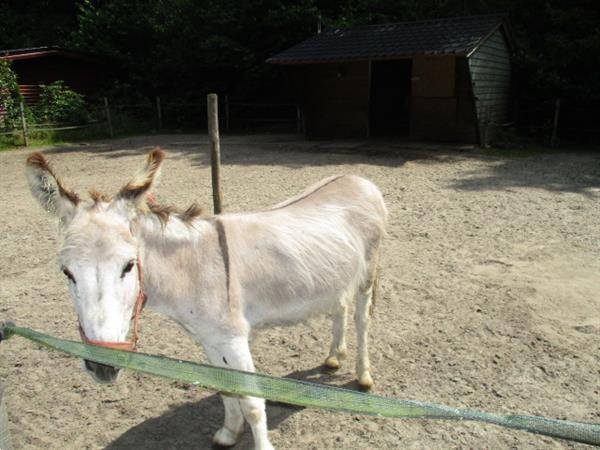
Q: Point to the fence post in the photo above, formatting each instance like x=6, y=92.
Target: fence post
x=24, y=125
x=159, y=112
x=5, y=441
x=108, y=118
x=215, y=153
x=554, y=138
x=298, y=119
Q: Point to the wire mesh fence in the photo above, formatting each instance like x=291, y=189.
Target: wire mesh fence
x=20, y=132
x=547, y=121
x=177, y=114
x=174, y=114
x=557, y=119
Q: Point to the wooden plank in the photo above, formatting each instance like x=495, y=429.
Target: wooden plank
x=495, y=65
x=433, y=76
x=488, y=70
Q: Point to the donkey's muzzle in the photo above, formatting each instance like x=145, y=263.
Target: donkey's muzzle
x=101, y=372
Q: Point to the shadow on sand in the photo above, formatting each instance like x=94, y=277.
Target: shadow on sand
x=267, y=150
x=567, y=171
x=192, y=425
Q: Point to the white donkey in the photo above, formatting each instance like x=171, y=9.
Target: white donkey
x=218, y=277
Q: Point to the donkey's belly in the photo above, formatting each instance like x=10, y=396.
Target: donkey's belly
x=289, y=311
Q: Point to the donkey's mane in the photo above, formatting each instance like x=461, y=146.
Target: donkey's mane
x=165, y=212
x=162, y=212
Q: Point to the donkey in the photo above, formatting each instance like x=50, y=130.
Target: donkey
x=218, y=277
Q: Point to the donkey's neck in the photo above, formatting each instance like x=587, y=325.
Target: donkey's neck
x=168, y=251
x=182, y=264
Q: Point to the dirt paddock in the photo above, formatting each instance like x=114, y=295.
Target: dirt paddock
x=489, y=297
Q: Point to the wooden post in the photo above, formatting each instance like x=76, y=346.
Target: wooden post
x=108, y=118
x=298, y=119
x=554, y=139
x=159, y=112
x=215, y=150
x=5, y=441
x=226, y=112
x=24, y=125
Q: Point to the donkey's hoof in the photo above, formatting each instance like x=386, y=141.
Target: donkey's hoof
x=225, y=437
x=332, y=363
x=365, y=382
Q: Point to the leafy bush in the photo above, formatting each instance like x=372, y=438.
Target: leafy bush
x=10, y=96
x=58, y=103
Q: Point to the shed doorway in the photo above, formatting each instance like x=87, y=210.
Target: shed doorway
x=389, y=108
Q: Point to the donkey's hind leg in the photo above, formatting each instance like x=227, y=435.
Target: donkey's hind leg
x=364, y=299
x=337, y=351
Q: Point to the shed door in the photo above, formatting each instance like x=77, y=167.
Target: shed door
x=389, y=108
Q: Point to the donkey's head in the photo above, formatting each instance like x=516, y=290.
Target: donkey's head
x=99, y=254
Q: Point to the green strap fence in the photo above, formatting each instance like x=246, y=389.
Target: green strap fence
x=302, y=393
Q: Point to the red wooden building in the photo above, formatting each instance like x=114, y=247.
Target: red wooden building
x=44, y=65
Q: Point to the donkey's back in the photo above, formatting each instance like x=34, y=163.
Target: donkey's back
x=311, y=254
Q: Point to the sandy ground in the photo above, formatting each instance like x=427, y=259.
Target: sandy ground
x=490, y=297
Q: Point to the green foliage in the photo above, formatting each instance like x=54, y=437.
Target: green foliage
x=10, y=96
x=184, y=47
x=60, y=104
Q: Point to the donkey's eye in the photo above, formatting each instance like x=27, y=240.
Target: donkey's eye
x=127, y=269
x=69, y=275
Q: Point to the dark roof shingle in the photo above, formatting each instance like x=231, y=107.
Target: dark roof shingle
x=457, y=35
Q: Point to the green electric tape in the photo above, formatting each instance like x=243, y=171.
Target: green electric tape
x=302, y=393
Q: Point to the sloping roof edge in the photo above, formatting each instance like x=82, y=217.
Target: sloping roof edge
x=42, y=52
x=506, y=31
x=287, y=56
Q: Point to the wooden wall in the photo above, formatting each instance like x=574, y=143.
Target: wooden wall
x=433, y=101
x=441, y=101
x=450, y=96
x=82, y=76
x=490, y=68
x=335, y=99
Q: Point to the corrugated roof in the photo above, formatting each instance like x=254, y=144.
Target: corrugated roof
x=457, y=35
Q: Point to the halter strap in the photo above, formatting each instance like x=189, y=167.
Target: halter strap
x=137, y=311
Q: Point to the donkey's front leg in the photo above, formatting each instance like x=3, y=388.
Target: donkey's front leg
x=234, y=352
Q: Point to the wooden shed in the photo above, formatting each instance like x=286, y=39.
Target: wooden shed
x=44, y=65
x=441, y=79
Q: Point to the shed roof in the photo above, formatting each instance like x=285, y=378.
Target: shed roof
x=18, y=54
x=456, y=35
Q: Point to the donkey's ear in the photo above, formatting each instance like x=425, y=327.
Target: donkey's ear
x=48, y=190
x=144, y=181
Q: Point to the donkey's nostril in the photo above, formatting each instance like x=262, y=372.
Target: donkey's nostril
x=101, y=372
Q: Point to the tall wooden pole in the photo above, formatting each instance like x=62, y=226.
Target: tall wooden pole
x=215, y=150
x=24, y=125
